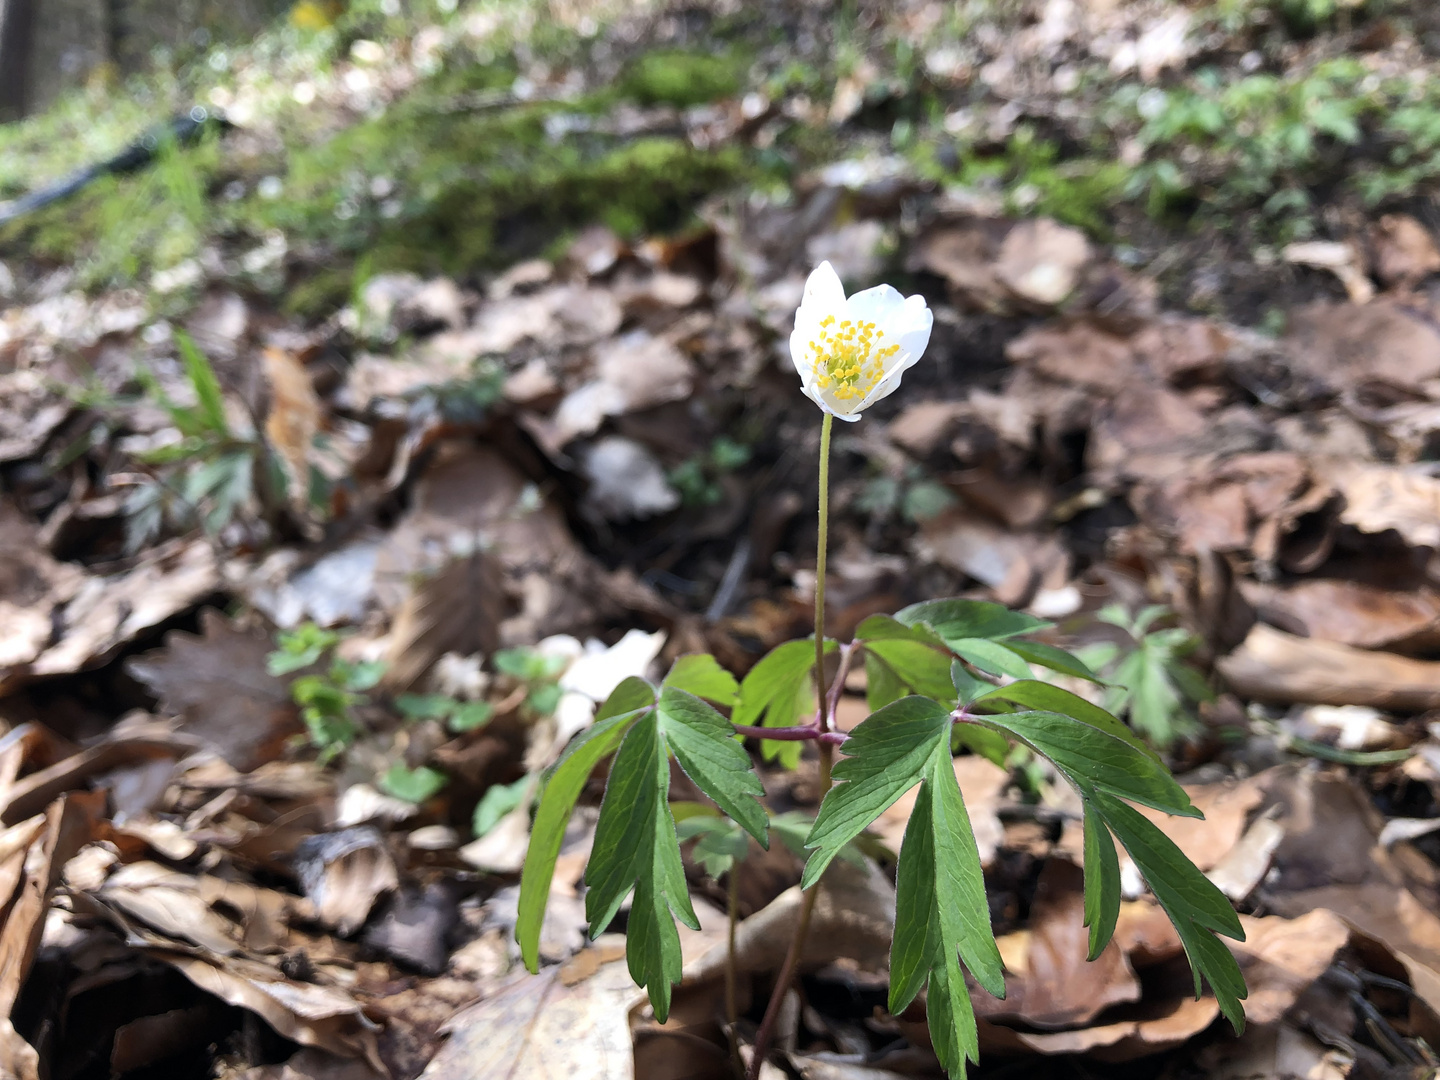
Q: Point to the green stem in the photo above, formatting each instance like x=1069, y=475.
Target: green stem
x=827, y=756
x=822, y=542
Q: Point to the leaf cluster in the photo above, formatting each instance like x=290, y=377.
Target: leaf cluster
x=940, y=675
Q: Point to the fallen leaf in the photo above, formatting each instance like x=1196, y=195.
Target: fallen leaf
x=1351, y=613
x=1280, y=958
x=1405, y=252
x=1381, y=497
x=344, y=873
x=543, y=1025
x=218, y=683
x=1345, y=260
x=294, y=418
x=1271, y=665
x=1040, y=261
x=982, y=782
x=1347, y=346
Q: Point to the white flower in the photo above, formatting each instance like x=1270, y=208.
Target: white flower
x=851, y=352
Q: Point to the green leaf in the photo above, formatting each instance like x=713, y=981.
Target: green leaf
x=916, y=667
x=941, y=912
x=885, y=628
x=1049, y=698
x=703, y=743
x=470, y=716
x=773, y=693
x=561, y=786
x=954, y=620
x=886, y=755
x=1092, y=758
x=991, y=745
x=967, y=686
x=701, y=674
x=210, y=400
x=413, y=785
x=991, y=656
x=499, y=800
x=425, y=706
x=1102, y=881
x=722, y=843
x=636, y=847
x=1196, y=907
x=1048, y=656
x=882, y=685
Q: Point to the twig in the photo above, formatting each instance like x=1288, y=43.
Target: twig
x=730, y=583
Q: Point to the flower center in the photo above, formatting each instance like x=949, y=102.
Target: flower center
x=849, y=358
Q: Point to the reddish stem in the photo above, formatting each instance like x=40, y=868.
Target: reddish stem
x=806, y=733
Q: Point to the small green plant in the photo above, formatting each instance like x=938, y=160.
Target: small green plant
x=914, y=497
x=698, y=477
x=537, y=672
x=327, y=699
x=1151, y=681
x=941, y=675
x=213, y=474
x=458, y=716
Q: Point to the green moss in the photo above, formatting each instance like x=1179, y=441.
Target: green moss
x=683, y=78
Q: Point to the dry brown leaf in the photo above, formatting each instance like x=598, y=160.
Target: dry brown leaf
x=318, y=1016
x=101, y=614
x=964, y=254
x=1014, y=564
x=1166, y=1023
x=457, y=609
x=34, y=792
x=1345, y=260
x=1348, y=346
x=1351, y=613
x=1049, y=983
x=1271, y=665
x=344, y=873
x=1405, y=252
x=545, y=1025
x=170, y=903
x=219, y=684
x=1077, y=354
x=1280, y=958
x=294, y=418
x=1381, y=497
x=1040, y=261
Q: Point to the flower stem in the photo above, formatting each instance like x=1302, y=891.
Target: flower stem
x=821, y=544
x=823, y=720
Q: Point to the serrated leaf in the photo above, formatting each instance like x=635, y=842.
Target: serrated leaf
x=1045, y=696
x=636, y=847
x=1102, y=881
x=967, y=687
x=886, y=755
x=209, y=399
x=941, y=915
x=561, y=786
x=1048, y=656
x=701, y=674
x=703, y=743
x=774, y=691
x=886, y=628
x=989, y=744
x=882, y=686
x=916, y=667
x=721, y=842
x=991, y=656
x=957, y=619
x=1195, y=906
x=1092, y=758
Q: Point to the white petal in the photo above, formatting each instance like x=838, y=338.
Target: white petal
x=882, y=305
x=823, y=290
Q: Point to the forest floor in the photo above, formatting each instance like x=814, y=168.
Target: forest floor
x=353, y=449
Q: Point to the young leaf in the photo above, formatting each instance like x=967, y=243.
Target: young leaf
x=413, y=785
x=1048, y=656
x=954, y=620
x=774, y=689
x=636, y=848
x=1102, y=881
x=470, y=715
x=499, y=800
x=704, y=744
x=722, y=843
x=210, y=400
x=561, y=786
x=701, y=674
x=425, y=706
x=1195, y=906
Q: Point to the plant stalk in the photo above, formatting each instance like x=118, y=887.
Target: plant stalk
x=766, y=1033
x=732, y=1011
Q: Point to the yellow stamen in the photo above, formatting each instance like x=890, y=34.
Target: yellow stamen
x=849, y=359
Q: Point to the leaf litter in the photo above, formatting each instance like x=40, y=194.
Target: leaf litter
x=507, y=465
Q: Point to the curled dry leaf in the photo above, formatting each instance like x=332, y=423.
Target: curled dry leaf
x=344, y=873
x=294, y=418
x=1271, y=665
